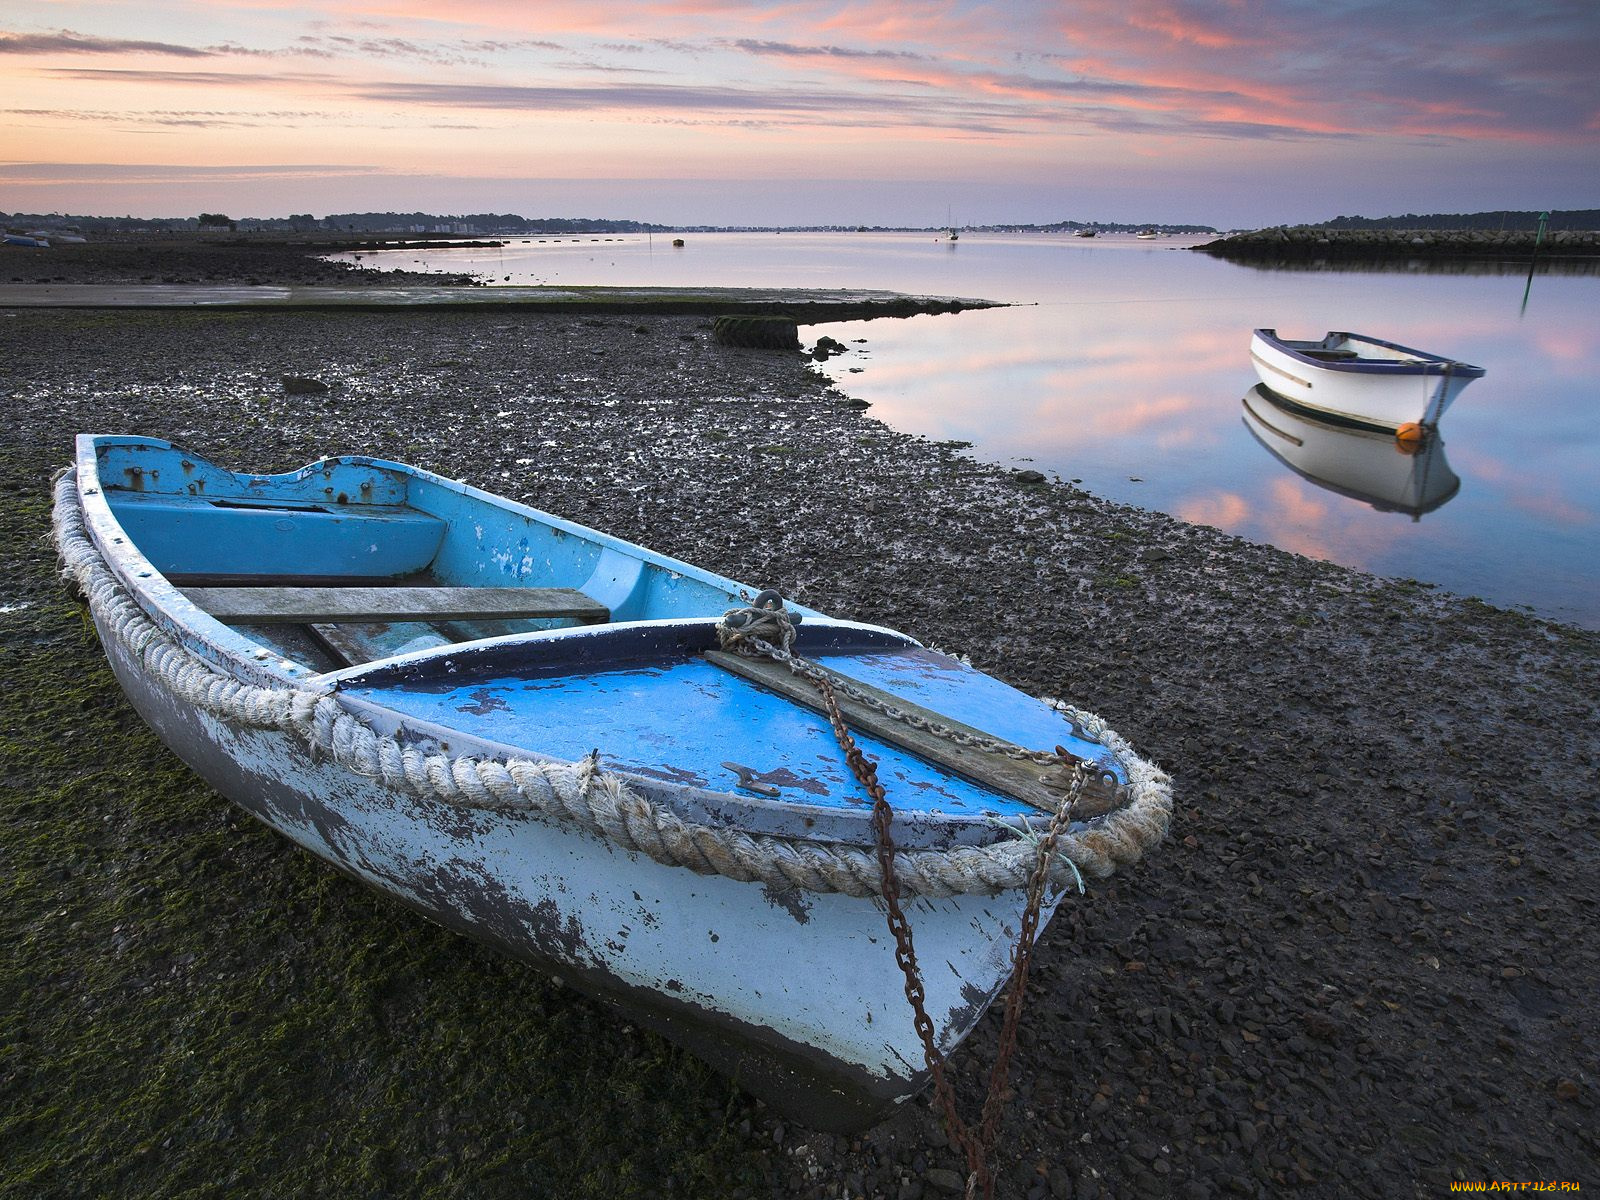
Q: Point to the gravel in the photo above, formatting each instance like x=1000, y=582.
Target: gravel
x=1364, y=963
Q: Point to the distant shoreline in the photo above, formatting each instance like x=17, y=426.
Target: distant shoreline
x=1306, y=242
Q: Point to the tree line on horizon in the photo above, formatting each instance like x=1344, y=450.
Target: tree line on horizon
x=1570, y=219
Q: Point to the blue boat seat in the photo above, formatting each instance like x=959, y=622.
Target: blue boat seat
x=181, y=535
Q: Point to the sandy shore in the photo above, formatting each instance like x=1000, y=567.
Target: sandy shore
x=1364, y=964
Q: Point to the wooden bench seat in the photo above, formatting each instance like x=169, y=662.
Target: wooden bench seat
x=337, y=605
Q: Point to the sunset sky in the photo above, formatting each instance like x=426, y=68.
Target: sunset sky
x=1223, y=112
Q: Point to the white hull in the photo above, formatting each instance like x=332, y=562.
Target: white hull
x=1375, y=384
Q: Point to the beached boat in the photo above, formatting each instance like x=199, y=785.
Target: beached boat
x=1359, y=381
x=554, y=741
x=25, y=239
x=1391, y=474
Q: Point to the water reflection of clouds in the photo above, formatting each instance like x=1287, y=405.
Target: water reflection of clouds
x=1295, y=515
x=1286, y=515
x=1227, y=511
x=1544, y=495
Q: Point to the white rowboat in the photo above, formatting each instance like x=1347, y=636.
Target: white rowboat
x=1358, y=381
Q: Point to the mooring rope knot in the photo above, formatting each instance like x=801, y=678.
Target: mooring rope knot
x=760, y=628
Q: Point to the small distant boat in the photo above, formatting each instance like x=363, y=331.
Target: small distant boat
x=950, y=235
x=409, y=678
x=1390, y=474
x=1360, y=381
x=677, y=242
x=1146, y=235
x=1084, y=233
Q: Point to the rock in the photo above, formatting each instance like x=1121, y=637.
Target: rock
x=1320, y=1026
x=303, y=385
x=1029, y=477
x=762, y=332
x=943, y=1179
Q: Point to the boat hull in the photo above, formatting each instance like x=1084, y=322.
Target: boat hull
x=706, y=961
x=1381, y=387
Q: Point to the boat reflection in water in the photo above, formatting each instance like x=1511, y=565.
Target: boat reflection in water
x=1391, y=474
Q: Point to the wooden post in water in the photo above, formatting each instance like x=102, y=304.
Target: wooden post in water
x=1537, y=240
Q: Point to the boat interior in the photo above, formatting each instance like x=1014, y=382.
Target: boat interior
x=351, y=560
x=1333, y=348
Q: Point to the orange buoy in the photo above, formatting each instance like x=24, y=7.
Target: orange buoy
x=1409, y=437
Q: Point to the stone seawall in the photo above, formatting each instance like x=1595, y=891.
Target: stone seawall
x=1300, y=241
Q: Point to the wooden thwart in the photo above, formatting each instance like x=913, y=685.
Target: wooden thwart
x=1039, y=785
x=334, y=605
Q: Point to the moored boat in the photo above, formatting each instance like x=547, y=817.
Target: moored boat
x=554, y=741
x=1359, y=381
x=1388, y=473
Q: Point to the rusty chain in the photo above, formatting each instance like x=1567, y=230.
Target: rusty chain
x=976, y=1144
x=741, y=632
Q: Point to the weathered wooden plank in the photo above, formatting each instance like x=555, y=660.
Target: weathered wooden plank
x=332, y=605
x=1029, y=782
x=367, y=641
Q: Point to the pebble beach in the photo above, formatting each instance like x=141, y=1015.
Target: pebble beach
x=1363, y=964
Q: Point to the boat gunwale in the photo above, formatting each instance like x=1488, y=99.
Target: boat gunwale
x=1429, y=364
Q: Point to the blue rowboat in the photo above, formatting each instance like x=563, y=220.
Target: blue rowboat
x=550, y=740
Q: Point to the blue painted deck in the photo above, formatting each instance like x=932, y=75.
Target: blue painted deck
x=679, y=719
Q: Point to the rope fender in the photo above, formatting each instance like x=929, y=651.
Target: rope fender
x=581, y=795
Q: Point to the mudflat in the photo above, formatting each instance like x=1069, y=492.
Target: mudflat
x=1363, y=964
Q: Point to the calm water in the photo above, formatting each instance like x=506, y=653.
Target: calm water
x=1126, y=366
